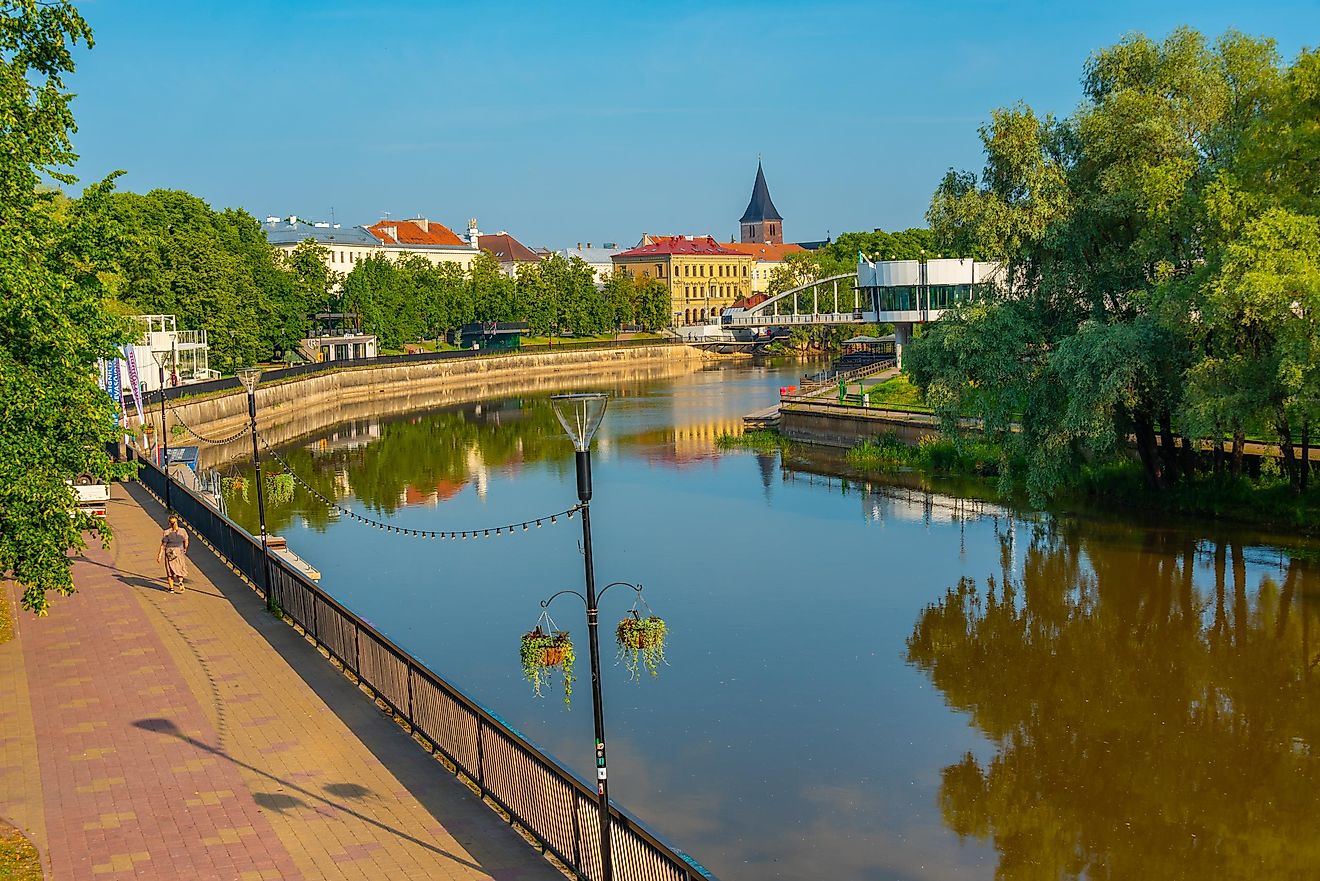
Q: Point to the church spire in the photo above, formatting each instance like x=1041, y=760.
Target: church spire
x=761, y=222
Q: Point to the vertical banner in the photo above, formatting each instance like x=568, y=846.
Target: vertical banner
x=112, y=386
x=133, y=385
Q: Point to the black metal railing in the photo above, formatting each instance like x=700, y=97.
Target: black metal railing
x=279, y=374
x=551, y=803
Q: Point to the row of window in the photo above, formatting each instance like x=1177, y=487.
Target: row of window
x=727, y=291
x=909, y=298
x=690, y=270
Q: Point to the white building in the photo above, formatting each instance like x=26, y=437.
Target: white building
x=908, y=292
x=597, y=258
x=183, y=354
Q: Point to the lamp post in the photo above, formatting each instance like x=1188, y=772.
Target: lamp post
x=581, y=415
x=249, y=377
x=160, y=358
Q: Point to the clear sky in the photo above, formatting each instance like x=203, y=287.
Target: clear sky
x=566, y=123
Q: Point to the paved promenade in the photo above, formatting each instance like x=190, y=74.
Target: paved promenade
x=147, y=735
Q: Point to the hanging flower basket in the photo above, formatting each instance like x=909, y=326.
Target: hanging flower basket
x=641, y=643
x=279, y=487
x=541, y=652
x=232, y=485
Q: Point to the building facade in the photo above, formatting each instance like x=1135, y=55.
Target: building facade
x=761, y=222
x=703, y=277
x=766, y=259
x=345, y=247
x=601, y=260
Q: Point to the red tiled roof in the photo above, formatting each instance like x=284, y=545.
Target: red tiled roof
x=410, y=232
x=765, y=252
x=679, y=245
x=507, y=249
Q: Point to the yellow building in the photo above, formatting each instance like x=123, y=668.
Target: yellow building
x=703, y=277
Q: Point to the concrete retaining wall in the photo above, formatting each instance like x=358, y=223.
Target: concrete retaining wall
x=846, y=427
x=294, y=408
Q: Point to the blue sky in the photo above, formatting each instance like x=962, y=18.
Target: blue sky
x=588, y=122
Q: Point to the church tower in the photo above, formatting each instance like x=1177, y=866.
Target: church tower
x=761, y=223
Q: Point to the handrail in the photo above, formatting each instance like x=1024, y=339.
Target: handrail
x=550, y=802
x=279, y=374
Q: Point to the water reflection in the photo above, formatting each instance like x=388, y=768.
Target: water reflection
x=1076, y=699
x=1152, y=711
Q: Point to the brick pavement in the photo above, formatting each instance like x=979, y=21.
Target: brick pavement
x=147, y=735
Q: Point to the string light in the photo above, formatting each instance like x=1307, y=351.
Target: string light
x=336, y=508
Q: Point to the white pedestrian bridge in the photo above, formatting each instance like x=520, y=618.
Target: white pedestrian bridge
x=897, y=292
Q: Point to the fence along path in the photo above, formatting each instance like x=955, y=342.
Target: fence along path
x=548, y=801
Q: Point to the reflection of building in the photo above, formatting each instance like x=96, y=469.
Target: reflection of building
x=687, y=444
x=703, y=277
x=353, y=436
x=442, y=491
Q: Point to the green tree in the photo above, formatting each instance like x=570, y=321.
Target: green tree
x=54, y=317
x=1102, y=223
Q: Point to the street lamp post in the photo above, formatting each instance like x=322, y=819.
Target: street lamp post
x=249, y=377
x=581, y=415
x=161, y=358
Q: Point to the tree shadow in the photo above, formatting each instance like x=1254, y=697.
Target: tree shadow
x=278, y=801
x=347, y=790
x=281, y=802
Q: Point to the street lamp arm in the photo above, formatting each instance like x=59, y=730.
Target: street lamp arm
x=545, y=604
x=601, y=594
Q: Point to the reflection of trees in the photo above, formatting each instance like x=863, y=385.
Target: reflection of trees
x=1145, y=726
x=422, y=452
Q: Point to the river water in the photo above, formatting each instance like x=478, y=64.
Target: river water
x=868, y=677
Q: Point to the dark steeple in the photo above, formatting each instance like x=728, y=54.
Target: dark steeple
x=760, y=208
x=761, y=223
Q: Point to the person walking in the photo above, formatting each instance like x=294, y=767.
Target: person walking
x=173, y=550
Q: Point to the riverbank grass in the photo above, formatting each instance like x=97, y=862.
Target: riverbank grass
x=762, y=440
x=19, y=860
x=961, y=457
x=898, y=393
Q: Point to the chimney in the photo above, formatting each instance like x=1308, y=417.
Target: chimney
x=588, y=244
x=423, y=223
x=474, y=234
x=580, y=248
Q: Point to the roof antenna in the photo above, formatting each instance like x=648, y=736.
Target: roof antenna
x=332, y=215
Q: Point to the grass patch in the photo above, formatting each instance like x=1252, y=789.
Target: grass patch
x=19, y=860
x=897, y=392
x=763, y=440
x=963, y=457
x=6, y=621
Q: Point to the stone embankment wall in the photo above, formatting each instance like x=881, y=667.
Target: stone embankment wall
x=296, y=407
x=838, y=426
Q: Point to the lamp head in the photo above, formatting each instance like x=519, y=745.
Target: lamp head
x=580, y=415
x=162, y=358
x=249, y=377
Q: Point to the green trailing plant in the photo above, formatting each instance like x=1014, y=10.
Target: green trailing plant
x=177, y=430
x=237, y=484
x=641, y=643
x=541, y=653
x=279, y=488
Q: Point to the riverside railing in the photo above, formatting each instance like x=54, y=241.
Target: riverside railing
x=281, y=373
x=552, y=804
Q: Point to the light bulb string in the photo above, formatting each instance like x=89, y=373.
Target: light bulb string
x=457, y=534
x=242, y=433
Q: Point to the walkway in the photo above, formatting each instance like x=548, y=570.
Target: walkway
x=147, y=735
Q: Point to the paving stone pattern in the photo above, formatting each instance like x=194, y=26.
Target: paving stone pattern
x=149, y=735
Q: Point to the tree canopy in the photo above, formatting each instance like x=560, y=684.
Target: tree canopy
x=1161, y=262
x=54, y=318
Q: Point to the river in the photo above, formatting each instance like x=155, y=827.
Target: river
x=866, y=678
